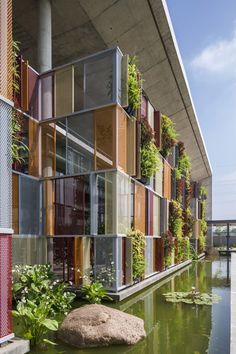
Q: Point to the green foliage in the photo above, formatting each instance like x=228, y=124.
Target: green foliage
x=138, y=243
x=184, y=164
x=176, y=220
x=203, y=193
x=34, y=320
x=147, y=133
x=134, y=86
x=39, y=298
x=169, y=135
x=150, y=160
x=94, y=293
x=193, y=253
x=192, y=297
x=188, y=222
x=169, y=244
x=203, y=231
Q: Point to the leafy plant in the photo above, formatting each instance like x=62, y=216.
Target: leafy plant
x=188, y=222
x=15, y=68
x=138, y=243
x=147, y=133
x=150, y=161
x=40, y=298
x=94, y=293
x=175, y=219
x=169, y=135
x=35, y=321
x=192, y=297
x=134, y=86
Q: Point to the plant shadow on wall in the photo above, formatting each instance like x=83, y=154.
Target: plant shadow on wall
x=19, y=148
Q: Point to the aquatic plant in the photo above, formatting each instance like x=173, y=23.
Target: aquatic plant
x=94, y=293
x=192, y=297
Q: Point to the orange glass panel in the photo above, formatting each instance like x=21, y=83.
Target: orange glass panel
x=122, y=138
x=49, y=201
x=166, y=180
x=15, y=203
x=48, y=149
x=105, y=138
x=131, y=147
x=64, y=91
x=33, y=148
x=140, y=208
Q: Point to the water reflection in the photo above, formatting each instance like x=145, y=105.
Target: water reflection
x=178, y=328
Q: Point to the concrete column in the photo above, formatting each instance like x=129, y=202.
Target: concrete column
x=44, y=35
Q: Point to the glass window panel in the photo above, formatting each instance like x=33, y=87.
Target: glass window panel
x=106, y=191
x=159, y=181
x=15, y=203
x=61, y=147
x=156, y=215
x=105, y=261
x=47, y=96
x=48, y=149
x=33, y=250
x=29, y=206
x=98, y=83
x=124, y=203
x=149, y=212
x=105, y=137
x=150, y=115
x=72, y=206
x=144, y=107
x=64, y=91
x=23, y=137
x=149, y=256
x=33, y=138
x=80, y=142
x=79, y=87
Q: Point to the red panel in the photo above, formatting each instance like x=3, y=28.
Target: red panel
x=5, y=285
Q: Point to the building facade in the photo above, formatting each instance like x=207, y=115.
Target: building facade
x=75, y=189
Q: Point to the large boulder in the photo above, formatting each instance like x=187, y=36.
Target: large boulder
x=98, y=325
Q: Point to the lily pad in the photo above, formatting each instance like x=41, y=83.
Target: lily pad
x=192, y=297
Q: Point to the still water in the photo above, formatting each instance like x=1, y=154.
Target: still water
x=176, y=328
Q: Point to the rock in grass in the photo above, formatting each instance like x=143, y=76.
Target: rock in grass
x=98, y=325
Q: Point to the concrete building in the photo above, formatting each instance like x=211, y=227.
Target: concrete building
x=78, y=188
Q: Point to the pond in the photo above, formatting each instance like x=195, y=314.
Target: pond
x=176, y=328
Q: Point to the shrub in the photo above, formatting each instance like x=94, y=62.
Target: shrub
x=138, y=243
x=94, y=293
x=40, y=298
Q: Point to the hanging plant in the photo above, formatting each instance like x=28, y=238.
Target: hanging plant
x=134, y=86
x=169, y=135
x=138, y=249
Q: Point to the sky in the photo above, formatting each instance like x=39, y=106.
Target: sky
x=206, y=34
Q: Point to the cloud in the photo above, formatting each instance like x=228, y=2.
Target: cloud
x=218, y=58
